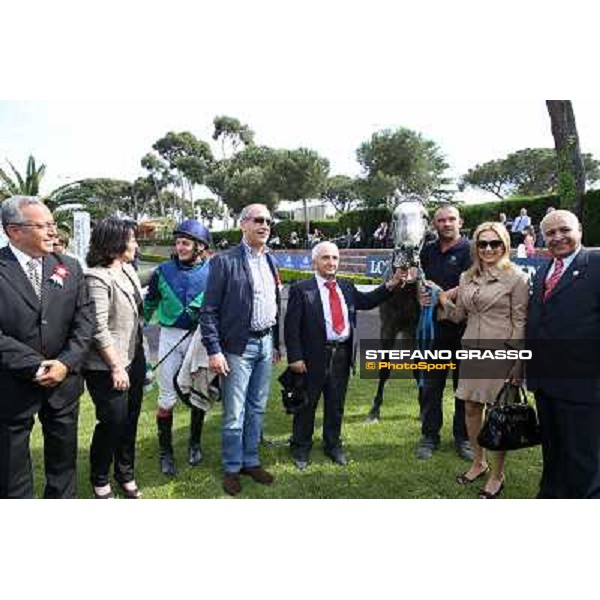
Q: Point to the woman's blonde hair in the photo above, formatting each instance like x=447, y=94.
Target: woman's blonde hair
x=502, y=233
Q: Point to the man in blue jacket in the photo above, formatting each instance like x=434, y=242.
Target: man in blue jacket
x=563, y=329
x=239, y=322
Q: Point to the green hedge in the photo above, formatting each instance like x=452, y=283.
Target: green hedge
x=369, y=219
x=153, y=258
x=291, y=275
x=475, y=214
x=591, y=218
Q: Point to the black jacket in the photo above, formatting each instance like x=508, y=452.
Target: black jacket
x=59, y=327
x=304, y=330
x=564, y=332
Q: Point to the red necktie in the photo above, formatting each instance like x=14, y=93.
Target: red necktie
x=553, y=280
x=337, y=315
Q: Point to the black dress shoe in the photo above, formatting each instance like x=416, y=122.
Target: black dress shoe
x=301, y=462
x=130, y=493
x=337, y=456
x=106, y=496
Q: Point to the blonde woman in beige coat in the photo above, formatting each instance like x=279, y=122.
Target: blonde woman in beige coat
x=492, y=297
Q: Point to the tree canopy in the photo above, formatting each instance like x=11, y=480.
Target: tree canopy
x=400, y=159
x=340, y=191
x=18, y=184
x=528, y=172
x=231, y=131
x=247, y=177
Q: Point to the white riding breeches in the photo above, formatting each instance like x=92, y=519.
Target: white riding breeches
x=170, y=337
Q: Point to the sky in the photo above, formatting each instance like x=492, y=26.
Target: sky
x=107, y=138
x=104, y=85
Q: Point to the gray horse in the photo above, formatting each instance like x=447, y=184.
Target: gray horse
x=400, y=313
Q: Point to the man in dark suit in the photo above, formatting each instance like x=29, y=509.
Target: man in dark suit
x=320, y=338
x=563, y=329
x=46, y=325
x=239, y=323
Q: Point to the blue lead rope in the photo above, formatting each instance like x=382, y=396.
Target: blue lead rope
x=426, y=330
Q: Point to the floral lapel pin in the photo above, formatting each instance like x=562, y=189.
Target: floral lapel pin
x=59, y=274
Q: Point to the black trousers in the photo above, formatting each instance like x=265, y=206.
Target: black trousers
x=117, y=415
x=431, y=394
x=570, y=448
x=334, y=395
x=59, y=429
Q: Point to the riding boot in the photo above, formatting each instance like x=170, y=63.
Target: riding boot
x=196, y=423
x=165, y=442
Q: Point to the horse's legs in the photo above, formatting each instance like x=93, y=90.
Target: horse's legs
x=384, y=374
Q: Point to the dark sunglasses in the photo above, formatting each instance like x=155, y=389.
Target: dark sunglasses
x=262, y=221
x=493, y=244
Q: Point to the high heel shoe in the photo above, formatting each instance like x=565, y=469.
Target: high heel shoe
x=462, y=479
x=485, y=495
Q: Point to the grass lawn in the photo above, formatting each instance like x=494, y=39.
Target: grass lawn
x=382, y=461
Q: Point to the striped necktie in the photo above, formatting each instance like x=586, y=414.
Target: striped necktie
x=551, y=282
x=33, y=272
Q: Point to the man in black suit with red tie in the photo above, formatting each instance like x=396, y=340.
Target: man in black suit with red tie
x=46, y=325
x=320, y=338
x=563, y=332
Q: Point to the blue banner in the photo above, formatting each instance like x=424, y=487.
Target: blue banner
x=299, y=262
x=377, y=264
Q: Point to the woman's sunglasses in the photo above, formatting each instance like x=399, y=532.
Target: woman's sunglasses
x=493, y=244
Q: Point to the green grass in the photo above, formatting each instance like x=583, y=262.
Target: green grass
x=382, y=461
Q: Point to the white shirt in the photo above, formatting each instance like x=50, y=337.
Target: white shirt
x=520, y=223
x=332, y=336
x=566, y=263
x=24, y=259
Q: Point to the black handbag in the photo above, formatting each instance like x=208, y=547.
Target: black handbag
x=510, y=423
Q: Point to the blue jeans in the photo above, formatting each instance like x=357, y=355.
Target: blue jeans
x=244, y=394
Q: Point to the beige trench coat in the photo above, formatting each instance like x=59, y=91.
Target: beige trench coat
x=495, y=308
x=117, y=317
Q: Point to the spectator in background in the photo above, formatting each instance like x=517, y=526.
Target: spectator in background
x=529, y=241
x=316, y=237
x=348, y=238
x=502, y=218
x=357, y=238
x=518, y=227
x=275, y=241
x=380, y=235
x=223, y=244
x=294, y=241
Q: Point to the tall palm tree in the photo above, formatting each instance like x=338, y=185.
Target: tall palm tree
x=19, y=185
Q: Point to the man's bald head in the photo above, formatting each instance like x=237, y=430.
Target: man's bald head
x=562, y=232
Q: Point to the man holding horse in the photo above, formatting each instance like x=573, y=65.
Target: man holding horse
x=443, y=261
x=321, y=341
